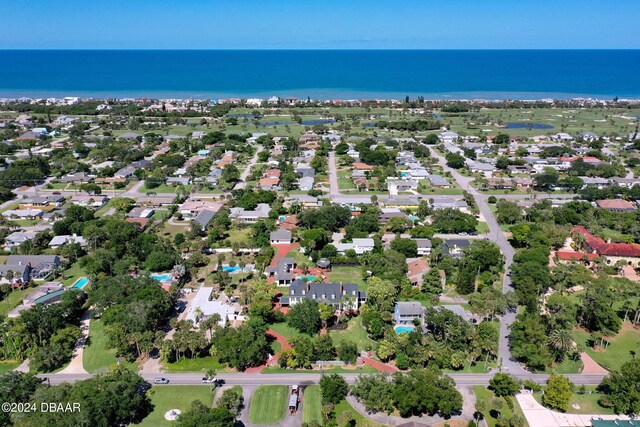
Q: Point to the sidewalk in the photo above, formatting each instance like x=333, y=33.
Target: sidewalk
x=539, y=416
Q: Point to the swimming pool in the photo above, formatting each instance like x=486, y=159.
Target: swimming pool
x=414, y=218
x=404, y=329
x=230, y=269
x=308, y=278
x=161, y=277
x=80, y=283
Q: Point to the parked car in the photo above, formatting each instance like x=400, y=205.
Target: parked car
x=57, y=193
x=206, y=380
x=160, y=380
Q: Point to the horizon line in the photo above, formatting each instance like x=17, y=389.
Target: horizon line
x=315, y=49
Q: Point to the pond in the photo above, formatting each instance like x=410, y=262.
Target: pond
x=527, y=125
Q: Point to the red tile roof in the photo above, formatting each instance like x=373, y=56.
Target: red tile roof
x=575, y=256
x=603, y=248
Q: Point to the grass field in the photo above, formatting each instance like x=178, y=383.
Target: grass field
x=8, y=365
x=285, y=330
x=96, y=357
x=347, y=416
x=198, y=364
x=239, y=235
x=482, y=228
x=12, y=300
x=354, y=333
x=312, y=404
x=167, y=397
x=587, y=403
x=491, y=415
x=268, y=404
x=619, y=350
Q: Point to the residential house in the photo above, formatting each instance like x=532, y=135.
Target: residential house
x=125, y=172
x=342, y=296
x=19, y=237
x=305, y=183
x=387, y=213
x=402, y=202
x=616, y=205
x=47, y=293
x=448, y=137
x=416, y=268
x=17, y=214
x=438, y=181
x=242, y=215
x=454, y=247
x=443, y=202
x=360, y=246
x=282, y=271
x=268, y=183
x=66, y=239
x=204, y=217
x=192, y=207
x=281, y=236
x=424, y=246
x=398, y=186
x=405, y=312
x=76, y=177
x=203, y=307
x=485, y=169
x=613, y=252
x=40, y=266
x=95, y=201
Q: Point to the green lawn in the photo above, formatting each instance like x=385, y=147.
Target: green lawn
x=354, y=333
x=568, y=366
x=239, y=235
x=345, y=274
x=167, y=397
x=619, y=350
x=345, y=414
x=96, y=357
x=285, y=330
x=312, y=404
x=163, y=188
x=268, y=405
x=12, y=300
x=345, y=184
x=588, y=403
x=482, y=228
x=73, y=273
x=198, y=364
x=482, y=393
x=300, y=258
x=8, y=365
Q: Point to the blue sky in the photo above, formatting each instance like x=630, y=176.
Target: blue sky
x=327, y=24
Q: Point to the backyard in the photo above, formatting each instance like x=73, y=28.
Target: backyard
x=12, y=300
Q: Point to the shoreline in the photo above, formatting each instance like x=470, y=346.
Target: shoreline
x=314, y=94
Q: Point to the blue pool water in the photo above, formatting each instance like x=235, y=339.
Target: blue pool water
x=161, y=277
x=309, y=278
x=230, y=269
x=413, y=218
x=80, y=283
x=404, y=329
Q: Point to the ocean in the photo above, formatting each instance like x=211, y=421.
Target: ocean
x=322, y=74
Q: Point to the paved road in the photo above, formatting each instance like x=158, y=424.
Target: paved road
x=245, y=173
x=497, y=236
x=251, y=379
x=333, y=176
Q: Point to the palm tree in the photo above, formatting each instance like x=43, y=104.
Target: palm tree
x=561, y=340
